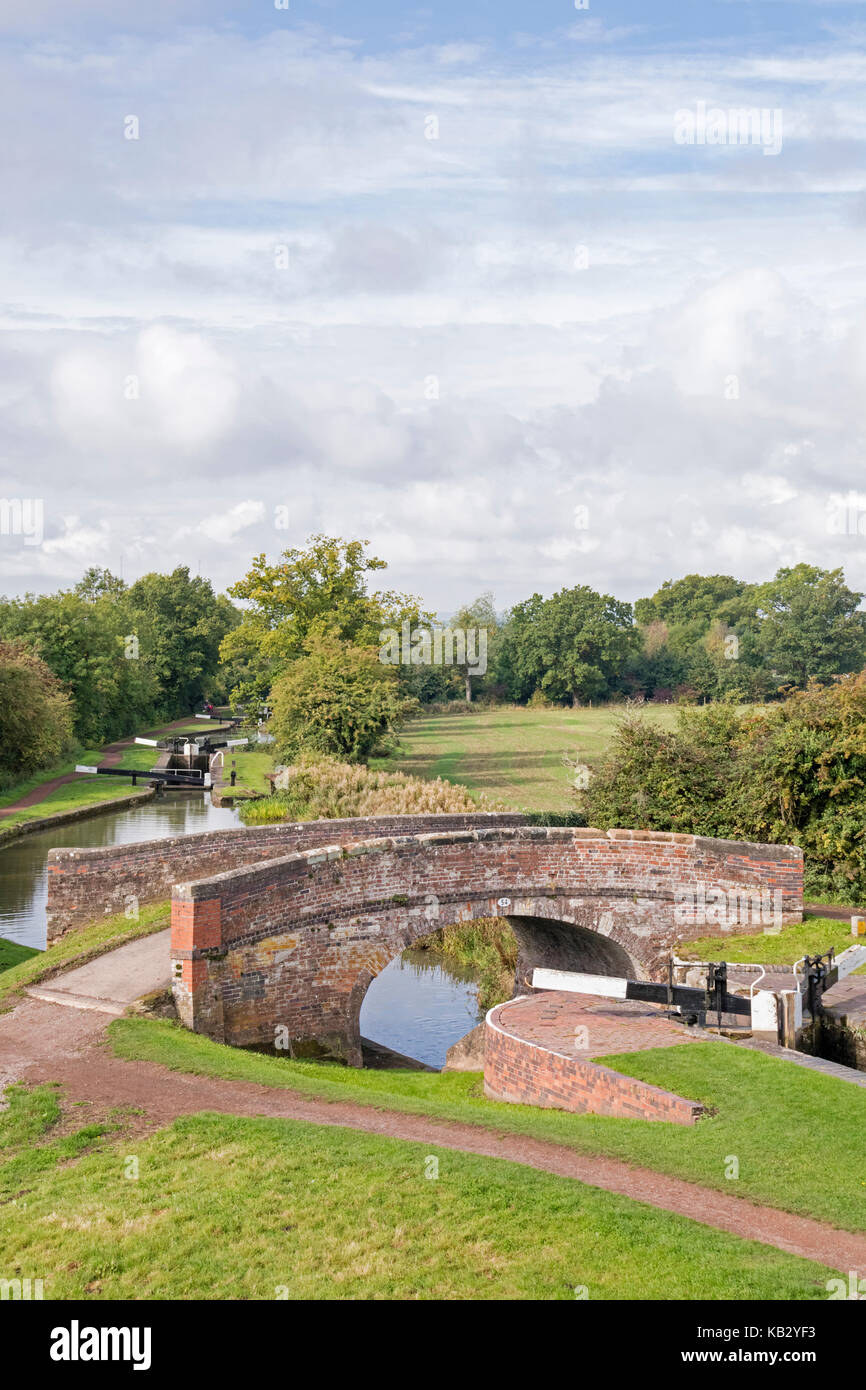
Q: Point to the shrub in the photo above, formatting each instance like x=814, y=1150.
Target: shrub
x=338, y=699
x=790, y=773
x=35, y=714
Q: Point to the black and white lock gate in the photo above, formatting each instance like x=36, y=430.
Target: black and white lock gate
x=713, y=998
x=773, y=1013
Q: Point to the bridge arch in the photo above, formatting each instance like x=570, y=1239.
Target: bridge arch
x=293, y=943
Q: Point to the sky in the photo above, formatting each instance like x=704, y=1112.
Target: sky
x=509, y=290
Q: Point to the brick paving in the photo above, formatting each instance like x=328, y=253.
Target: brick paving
x=553, y=1020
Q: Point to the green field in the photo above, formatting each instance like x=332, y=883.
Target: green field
x=220, y=1207
x=513, y=755
x=798, y=1134
x=813, y=936
x=250, y=769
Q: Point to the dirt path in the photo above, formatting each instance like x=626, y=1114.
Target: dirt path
x=42, y=1042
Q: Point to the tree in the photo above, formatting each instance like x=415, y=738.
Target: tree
x=315, y=591
x=810, y=626
x=83, y=641
x=337, y=698
x=480, y=625
x=35, y=714
x=694, y=599
x=180, y=623
x=573, y=646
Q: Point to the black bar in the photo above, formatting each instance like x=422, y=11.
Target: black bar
x=687, y=998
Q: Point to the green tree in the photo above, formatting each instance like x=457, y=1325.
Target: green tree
x=83, y=641
x=573, y=646
x=35, y=714
x=480, y=624
x=692, y=600
x=810, y=626
x=336, y=698
x=180, y=624
x=315, y=591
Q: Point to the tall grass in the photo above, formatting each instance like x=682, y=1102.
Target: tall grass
x=322, y=788
x=488, y=945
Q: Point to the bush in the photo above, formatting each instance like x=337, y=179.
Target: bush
x=338, y=699
x=791, y=773
x=35, y=715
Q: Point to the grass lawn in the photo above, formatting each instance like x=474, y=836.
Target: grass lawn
x=82, y=791
x=82, y=945
x=798, y=1134
x=12, y=953
x=811, y=937
x=251, y=769
x=229, y=1208
x=512, y=754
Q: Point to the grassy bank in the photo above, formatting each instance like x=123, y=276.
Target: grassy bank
x=489, y=946
x=250, y=768
x=82, y=791
x=230, y=1208
x=813, y=936
x=798, y=1134
x=511, y=754
x=82, y=945
x=13, y=953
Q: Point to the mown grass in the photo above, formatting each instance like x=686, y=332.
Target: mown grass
x=13, y=953
x=82, y=945
x=813, y=936
x=798, y=1135
x=512, y=754
x=250, y=769
x=229, y=1208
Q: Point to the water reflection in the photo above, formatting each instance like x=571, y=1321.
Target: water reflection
x=420, y=1005
x=23, y=876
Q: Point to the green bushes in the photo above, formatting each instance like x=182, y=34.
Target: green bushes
x=336, y=699
x=791, y=773
x=35, y=715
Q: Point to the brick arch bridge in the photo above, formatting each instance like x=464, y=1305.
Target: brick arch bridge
x=294, y=942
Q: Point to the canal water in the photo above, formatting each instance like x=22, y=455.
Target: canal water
x=23, y=875
x=419, y=1005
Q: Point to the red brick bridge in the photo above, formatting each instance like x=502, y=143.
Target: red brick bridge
x=294, y=943
x=285, y=926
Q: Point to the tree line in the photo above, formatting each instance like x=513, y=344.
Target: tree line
x=102, y=660
x=306, y=632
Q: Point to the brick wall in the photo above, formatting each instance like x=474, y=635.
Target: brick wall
x=84, y=884
x=527, y=1073
x=293, y=943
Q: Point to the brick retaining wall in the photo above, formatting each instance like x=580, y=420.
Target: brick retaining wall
x=528, y=1073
